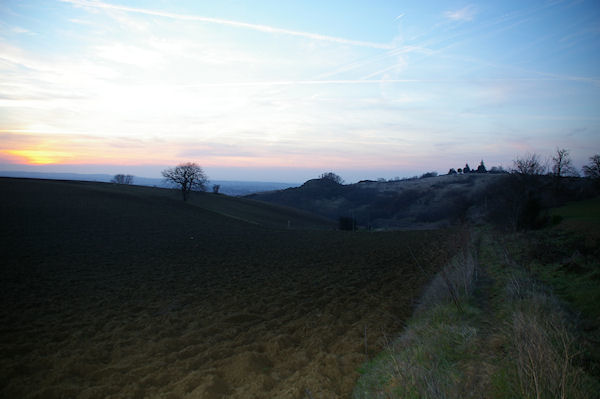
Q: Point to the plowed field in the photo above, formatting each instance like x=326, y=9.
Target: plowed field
x=106, y=294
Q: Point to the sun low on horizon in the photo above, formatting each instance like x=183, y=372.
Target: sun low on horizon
x=270, y=90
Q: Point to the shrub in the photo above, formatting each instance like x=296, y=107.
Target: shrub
x=122, y=179
x=428, y=174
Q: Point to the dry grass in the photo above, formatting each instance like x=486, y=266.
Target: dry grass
x=424, y=362
x=508, y=337
x=542, y=345
x=454, y=282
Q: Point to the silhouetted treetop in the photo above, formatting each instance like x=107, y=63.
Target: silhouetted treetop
x=332, y=177
x=593, y=169
x=122, y=179
x=481, y=168
x=562, y=165
x=188, y=176
x=428, y=174
x=530, y=164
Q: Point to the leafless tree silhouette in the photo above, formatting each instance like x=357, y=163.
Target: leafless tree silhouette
x=188, y=176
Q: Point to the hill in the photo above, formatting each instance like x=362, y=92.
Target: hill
x=123, y=291
x=228, y=187
x=431, y=202
x=255, y=212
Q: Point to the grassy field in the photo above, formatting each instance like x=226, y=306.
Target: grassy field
x=124, y=291
x=587, y=211
x=519, y=319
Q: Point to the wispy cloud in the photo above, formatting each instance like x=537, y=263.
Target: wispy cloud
x=227, y=22
x=464, y=14
x=310, y=82
x=18, y=29
x=103, y=82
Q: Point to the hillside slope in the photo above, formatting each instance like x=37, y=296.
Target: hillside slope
x=114, y=291
x=407, y=204
x=258, y=213
x=434, y=202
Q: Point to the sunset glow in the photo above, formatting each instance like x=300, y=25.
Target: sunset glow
x=370, y=89
x=35, y=157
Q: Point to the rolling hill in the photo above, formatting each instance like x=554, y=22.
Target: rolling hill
x=405, y=204
x=432, y=202
x=123, y=291
x=228, y=187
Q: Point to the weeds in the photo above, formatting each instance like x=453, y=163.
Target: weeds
x=541, y=345
x=511, y=339
x=454, y=282
x=423, y=361
x=542, y=349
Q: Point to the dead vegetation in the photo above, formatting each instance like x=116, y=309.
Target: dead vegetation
x=485, y=328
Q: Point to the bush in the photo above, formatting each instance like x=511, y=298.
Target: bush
x=530, y=217
x=122, y=179
x=332, y=177
x=428, y=174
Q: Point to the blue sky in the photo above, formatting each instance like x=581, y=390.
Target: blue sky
x=282, y=90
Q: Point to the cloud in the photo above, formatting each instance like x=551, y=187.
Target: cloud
x=463, y=15
x=127, y=54
x=18, y=29
x=236, y=24
x=309, y=82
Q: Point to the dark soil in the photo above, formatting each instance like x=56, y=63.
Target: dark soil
x=112, y=291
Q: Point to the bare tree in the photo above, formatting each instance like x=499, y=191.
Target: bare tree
x=122, y=179
x=530, y=164
x=332, y=177
x=562, y=164
x=593, y=169
x=188, y=176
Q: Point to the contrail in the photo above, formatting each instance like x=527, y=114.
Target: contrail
x=307, y=82
x=237, y=24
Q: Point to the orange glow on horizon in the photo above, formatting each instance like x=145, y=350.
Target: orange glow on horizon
x=104, y=155
x=39, y=157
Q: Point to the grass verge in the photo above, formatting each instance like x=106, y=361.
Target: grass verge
x=424, y=361
x=487, y=327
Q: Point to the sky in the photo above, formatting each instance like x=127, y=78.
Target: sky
x=286, y=90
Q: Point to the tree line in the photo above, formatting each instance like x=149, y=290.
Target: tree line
x=190, y=176
x=559, y=164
